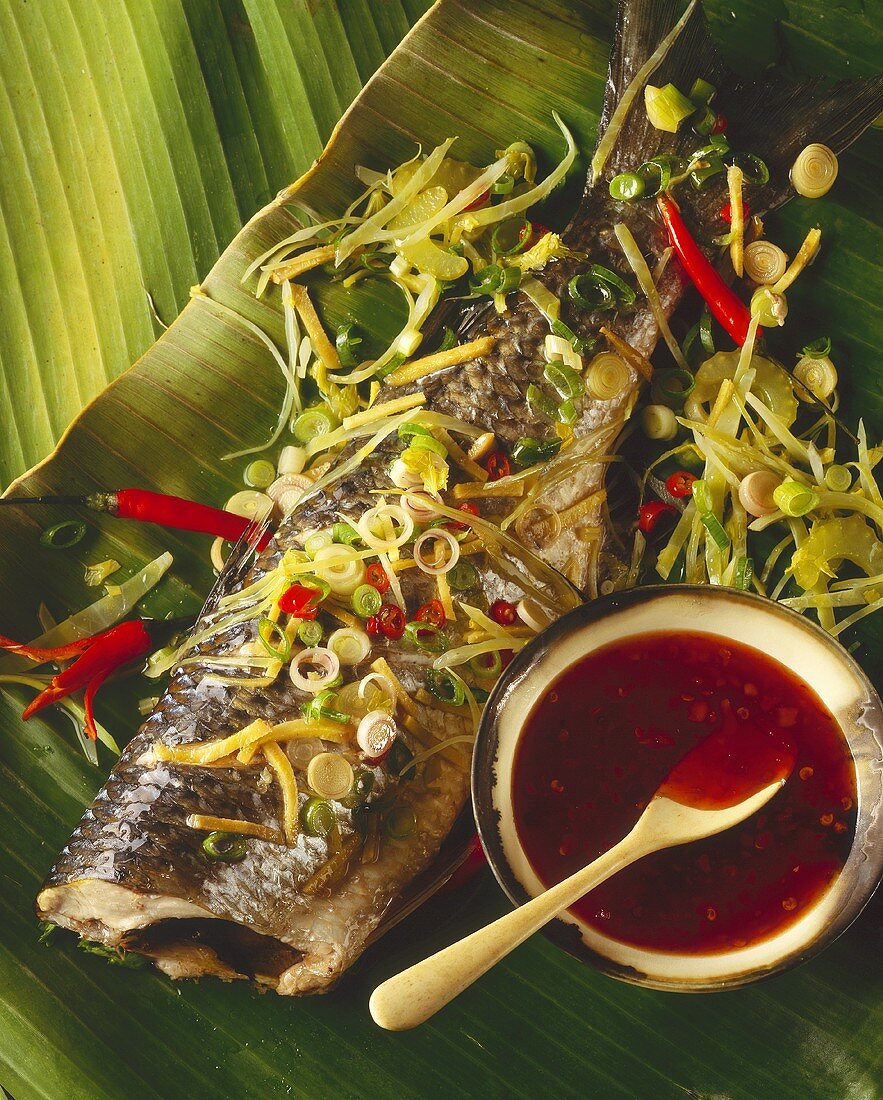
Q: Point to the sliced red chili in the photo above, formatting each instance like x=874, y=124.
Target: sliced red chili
x=727, y=214
x=503, y=612
x=539, y=231
x=431, y=612
x=373, y=625
x=497, y=465
x=680, y=484
x=650, y=513
x=391, y=620
x=506, y=656
x=720, y=124
x=375, y=575
x=468, y=507
x=480, y=201
x=300, y=601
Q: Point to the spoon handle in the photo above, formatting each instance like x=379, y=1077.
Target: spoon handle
x=409, y=998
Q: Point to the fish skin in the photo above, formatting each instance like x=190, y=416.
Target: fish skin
x=134, y=835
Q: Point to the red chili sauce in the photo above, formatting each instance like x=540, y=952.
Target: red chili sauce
x=608, y=733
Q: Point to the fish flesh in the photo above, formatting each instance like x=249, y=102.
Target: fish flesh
x=293, y=916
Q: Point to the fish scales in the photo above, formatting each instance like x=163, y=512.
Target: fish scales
x=134, y=874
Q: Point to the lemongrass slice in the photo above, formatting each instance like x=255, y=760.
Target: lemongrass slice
x=659, y=422
x=426, y=551
x=312, y=670
x=391, y=515
x=756, y=492
x=250, y=504
x=350, y=645
x=375, y=734
x=814, y=171
x=607, y=376
x=330, y=775
x=765, y=262
x=533, y=614
x=818, y=374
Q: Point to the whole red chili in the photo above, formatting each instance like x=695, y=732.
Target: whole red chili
x=163, y=509
x=497, y=466
x=468, y=507
x=680, y=483
x=96, y=658
x=431, y=612
x=724, y=303
x=650, y=513
x=727, y=214
x=375, y=575
x=720, y=124
x=391, y=620
x=373, y=625
x=300, y=601
x=503, y=612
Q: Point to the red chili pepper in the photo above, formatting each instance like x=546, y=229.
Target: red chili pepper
x=503, y=612
x=720, y=124
x=480, y=201
x=160, y=508
x=373, y=625
x=301, y=601
x=724, y=303
x=471, y=865
x=96, y=658
x=650, y=513
x=680, y=484
x=431, y=612
x=727, y=214
x=538, y=231
x=391, y=620
x=506, y=656
x=375, y=575
x=468, y=507
x=497, y=466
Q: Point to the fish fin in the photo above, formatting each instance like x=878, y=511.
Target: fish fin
x=773, y=117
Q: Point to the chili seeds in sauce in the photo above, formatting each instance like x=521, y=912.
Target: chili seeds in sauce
x=607, y=733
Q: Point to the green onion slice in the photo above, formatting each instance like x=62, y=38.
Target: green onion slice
x=699, y=177
x=409, y=430
x=320, y=707
x=427, y=636
x=347, y=342
x=225, y=847
x=449, y=340
x=714, y=528
x=511, y=236
x=795, y=499
x=503, y=185
x=702, y=92
x=260, y=474
x=590, y=294
x=744, y=573
x=568, y=412
x=567, y=381
x=672, y=387
x=363, y=784
x=366, y=601
x=344, y=533
x=540, y=403
x=310, y=632
x=317, y=817
x=838, y=478
x=462, y=577
x=443, y=686
x=657, y=173
x=311, y=424
x=701, y=496
x=576, y=342
x=753, y=168
x=494, y=279
x=706, y=335
x=400, y=822
x=274, y=639
x=64, y=535
x=619, y=287
x=530, y=452
x=705, y=119
x=818, y=349
x=429, y=443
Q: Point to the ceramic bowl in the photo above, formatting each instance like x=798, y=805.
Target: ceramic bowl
x=794, y=641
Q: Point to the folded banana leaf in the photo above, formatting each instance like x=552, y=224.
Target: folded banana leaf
x=135, y=139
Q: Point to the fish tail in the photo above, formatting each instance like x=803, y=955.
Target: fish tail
x=773, y=117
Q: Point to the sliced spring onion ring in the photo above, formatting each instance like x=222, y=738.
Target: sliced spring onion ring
x=764, y=262
x=64, y=535
x=350, y=645
x=274, y=639
x=330, y=775
x=317, y=817
x=366, y=601
x=310, y=632
x=376, y=733
x=659, y=422
x=260, y=474
x=341, y=568
x=462, y=577
x=795, y=499
x=400, y=822
x=818, y=374
x=427, y=547
x=313, y=670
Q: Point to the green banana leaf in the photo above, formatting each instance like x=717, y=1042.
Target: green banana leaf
x=135, y=139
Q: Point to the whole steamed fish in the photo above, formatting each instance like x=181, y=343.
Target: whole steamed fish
x=209, y=850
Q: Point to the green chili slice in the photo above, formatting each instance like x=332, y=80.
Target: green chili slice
x=225, y=847
x=443, y=686
x=463, y=576
x=64, y=535
x=347, y=343
x=427, y=636
x=400, y=822
x=317, y=817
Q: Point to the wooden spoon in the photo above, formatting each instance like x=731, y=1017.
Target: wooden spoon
x=409, y=998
